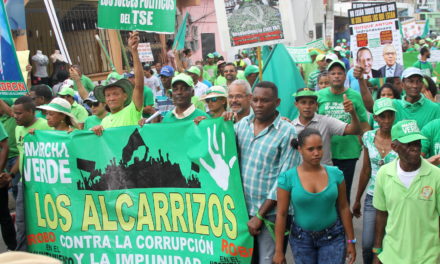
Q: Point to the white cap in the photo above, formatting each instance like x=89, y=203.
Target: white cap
x=331, y=56
x=338, y=48
x=411, y=71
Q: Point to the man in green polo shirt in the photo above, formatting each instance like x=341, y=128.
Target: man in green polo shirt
x=124, y=101
x=77, y=110
x=345, y=149
x=413, y=104
x=407, y=199
x=182, y=91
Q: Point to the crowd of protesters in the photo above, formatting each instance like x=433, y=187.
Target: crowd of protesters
x=297, y=174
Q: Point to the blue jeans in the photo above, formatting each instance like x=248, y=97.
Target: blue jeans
x=312, y=247
x=369, y=222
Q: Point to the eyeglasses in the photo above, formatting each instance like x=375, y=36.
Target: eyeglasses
x=238, y=96
x=214, y=99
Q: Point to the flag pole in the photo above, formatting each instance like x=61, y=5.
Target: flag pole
x=105, y=52
x=124, y=53
x=260, y=68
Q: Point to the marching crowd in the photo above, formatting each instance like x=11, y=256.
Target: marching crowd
x=297, y=174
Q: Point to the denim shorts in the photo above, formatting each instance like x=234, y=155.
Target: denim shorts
x=327, y=246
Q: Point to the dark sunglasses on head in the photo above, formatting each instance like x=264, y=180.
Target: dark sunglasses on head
x=214, y=99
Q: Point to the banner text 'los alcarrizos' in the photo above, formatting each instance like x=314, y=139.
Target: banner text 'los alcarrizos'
x=152, y=196
x=144, y=15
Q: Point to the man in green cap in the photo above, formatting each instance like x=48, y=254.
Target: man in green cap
x=210, y=67
x=182, y=91
x=124, y=101
x=407, y=199
x=85, y=81
x=251, y=73
x=313, y=77
x=345, y=149
x=78, y=111
x=199, y=87
x=306, y=101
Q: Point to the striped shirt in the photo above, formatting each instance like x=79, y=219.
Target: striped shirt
x=313, y=79
x=263, y=158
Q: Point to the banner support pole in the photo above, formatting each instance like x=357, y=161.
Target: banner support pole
x=260, y=68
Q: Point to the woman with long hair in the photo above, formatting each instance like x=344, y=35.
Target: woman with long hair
x=377, y=152
x=322, y=229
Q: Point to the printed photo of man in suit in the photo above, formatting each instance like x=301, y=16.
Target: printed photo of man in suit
x=365, y=59
x=391, y=67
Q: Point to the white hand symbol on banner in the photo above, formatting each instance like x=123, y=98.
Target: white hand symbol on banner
x=221, y=170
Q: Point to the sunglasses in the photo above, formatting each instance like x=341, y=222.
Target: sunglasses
x=214, y=99
x=95, y=104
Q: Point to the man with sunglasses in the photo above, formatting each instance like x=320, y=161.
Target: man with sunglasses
x=99, y=111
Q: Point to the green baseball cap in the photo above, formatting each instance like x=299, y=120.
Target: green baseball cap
x=183, y=78
x=305, y=92
x=428, y=39
x=406, y=131
x=320, y=57
x=251, y=69
x=210, y=55
x=336, y=62
x=67, y=91
x=194, y=69
x=383, y=104
x=313, y=52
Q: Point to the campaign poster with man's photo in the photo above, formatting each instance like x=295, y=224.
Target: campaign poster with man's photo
x=252, y=23
x=376, y=40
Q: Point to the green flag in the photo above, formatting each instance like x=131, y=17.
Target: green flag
x=280, y=69
x=426, y=29
x=179, y=40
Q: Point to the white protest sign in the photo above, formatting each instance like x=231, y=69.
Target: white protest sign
x=145, y=52
x=299, y=54
x=376, y=40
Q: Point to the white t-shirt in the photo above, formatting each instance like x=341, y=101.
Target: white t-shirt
x=405, y=176
x=154, y=84
x=247, y=61
x=200, y=89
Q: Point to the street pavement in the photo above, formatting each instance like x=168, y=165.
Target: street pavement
x=356, y=222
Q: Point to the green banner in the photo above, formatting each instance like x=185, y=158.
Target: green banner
x=299, y=54
x=152, y=16
x=164, y=193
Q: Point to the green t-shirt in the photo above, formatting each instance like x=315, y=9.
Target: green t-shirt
x=21, y=132
x=423, y=111
x=86, y=82
x=206, y=76
x=425, y=67
x=313, y=211
x=148, y=99
x=221, y=81
x=92, y=121
x=195, y=100
x=330, y=104
x=3, y=133
x=412, y=228
x=212, y=72
x=171, y=118
x=79, y=112
x=39, y=114
x=128, y=116
x=308, y=68
x=431, y=146
x=9, y=124
x=240, y=75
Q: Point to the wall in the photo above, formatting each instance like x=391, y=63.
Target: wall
x=203, y=17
